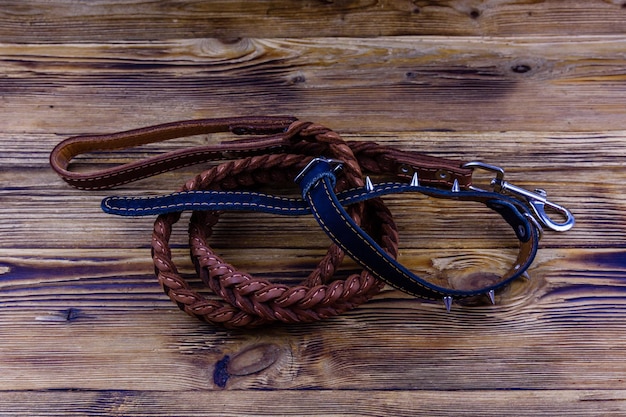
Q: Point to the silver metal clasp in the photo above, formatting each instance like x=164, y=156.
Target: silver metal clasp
x=536, y=200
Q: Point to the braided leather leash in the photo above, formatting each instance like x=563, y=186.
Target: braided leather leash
x=250, y=301
x=365, y=231
x=316, y=298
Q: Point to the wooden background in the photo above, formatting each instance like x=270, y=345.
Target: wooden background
x=538, y=87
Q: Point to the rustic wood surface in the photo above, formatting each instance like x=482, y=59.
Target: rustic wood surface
x=538, y=87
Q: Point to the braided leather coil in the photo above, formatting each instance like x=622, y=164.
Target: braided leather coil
x=248, y=301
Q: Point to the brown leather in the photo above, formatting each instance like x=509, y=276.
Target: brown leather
x=278, y=139
x=64, y=152
x=250, y=301
x=276, y=158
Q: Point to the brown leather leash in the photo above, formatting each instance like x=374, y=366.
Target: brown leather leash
x=279, y=133
x=285, y=148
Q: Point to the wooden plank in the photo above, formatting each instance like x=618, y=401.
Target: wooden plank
x=582, y=171
x=496, y=84
x=37, y=21
x=95, y=320
x=86, y=330
x=304, y=403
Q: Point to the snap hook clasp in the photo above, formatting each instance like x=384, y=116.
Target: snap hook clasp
x=536, y=200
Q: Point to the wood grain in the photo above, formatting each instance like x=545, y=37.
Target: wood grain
x=465, y=84
x=37, y=21
x=313, y=403
x=37, y=203
x=534, y=86
x=101, y=307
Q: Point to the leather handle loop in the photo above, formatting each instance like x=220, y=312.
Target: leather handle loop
x=279, y=131
x=62, y=155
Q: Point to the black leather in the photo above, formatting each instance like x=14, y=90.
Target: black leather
x=319, y=198
x=318, y=191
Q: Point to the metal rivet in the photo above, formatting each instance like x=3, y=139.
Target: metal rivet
x=442, y=174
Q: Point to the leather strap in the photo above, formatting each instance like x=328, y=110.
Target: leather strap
x=317, y=190
x=317, y=185
x=279, y=136
x=64, y=152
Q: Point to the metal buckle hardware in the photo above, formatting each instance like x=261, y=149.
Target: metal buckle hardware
x=536, y=199
x=335, y=165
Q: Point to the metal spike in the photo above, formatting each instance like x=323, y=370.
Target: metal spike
x=447, y=300
x=525, y=275
x=415, y=181
x=368, y=184
x=455, y=186
x=492, y=296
